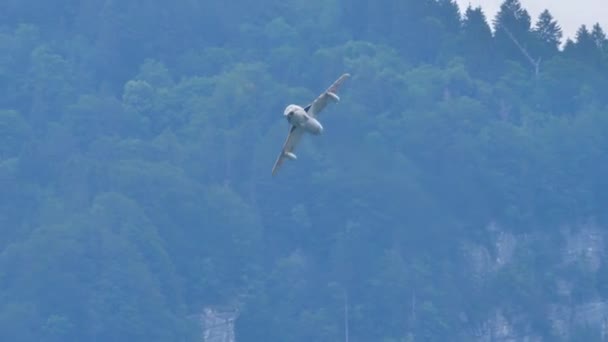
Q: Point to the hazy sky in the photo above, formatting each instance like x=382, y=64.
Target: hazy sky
x=570, y=14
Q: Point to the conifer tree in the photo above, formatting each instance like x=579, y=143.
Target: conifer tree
x=477, y=43
x=513, y=16
x=548, y=31
x=512, y=26
x=599, y=37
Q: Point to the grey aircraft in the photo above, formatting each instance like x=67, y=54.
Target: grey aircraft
x=302, y=120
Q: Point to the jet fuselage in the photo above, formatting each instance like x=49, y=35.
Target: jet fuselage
x=297, y=116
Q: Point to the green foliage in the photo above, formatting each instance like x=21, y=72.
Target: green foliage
x=549, y=33
x=137, y=137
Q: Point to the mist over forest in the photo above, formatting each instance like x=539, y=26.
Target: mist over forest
x=458, y=192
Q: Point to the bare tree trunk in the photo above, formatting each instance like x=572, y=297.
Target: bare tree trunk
x=535, y=63
x=345, y=316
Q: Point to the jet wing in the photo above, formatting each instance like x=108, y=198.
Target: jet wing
x=294, y=136
x=322, y=100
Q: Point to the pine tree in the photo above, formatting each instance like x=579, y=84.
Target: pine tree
x=475, y=25
x=512, y=16
x=513, y=36
x=583, y=46
x=448, y=12
x=584, y=40
x=477, y=41
x=599, y=37
x=548, y=31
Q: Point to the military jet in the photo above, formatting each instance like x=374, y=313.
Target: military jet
x=302, y=120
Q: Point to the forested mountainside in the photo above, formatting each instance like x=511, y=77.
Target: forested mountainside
x=458, y=193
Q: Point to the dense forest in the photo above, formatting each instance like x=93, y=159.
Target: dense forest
x=137, y=140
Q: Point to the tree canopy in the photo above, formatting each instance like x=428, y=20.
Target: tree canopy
x=137, y=139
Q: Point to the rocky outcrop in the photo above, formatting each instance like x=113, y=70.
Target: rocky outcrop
x=583, y=251
x=218, y=324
